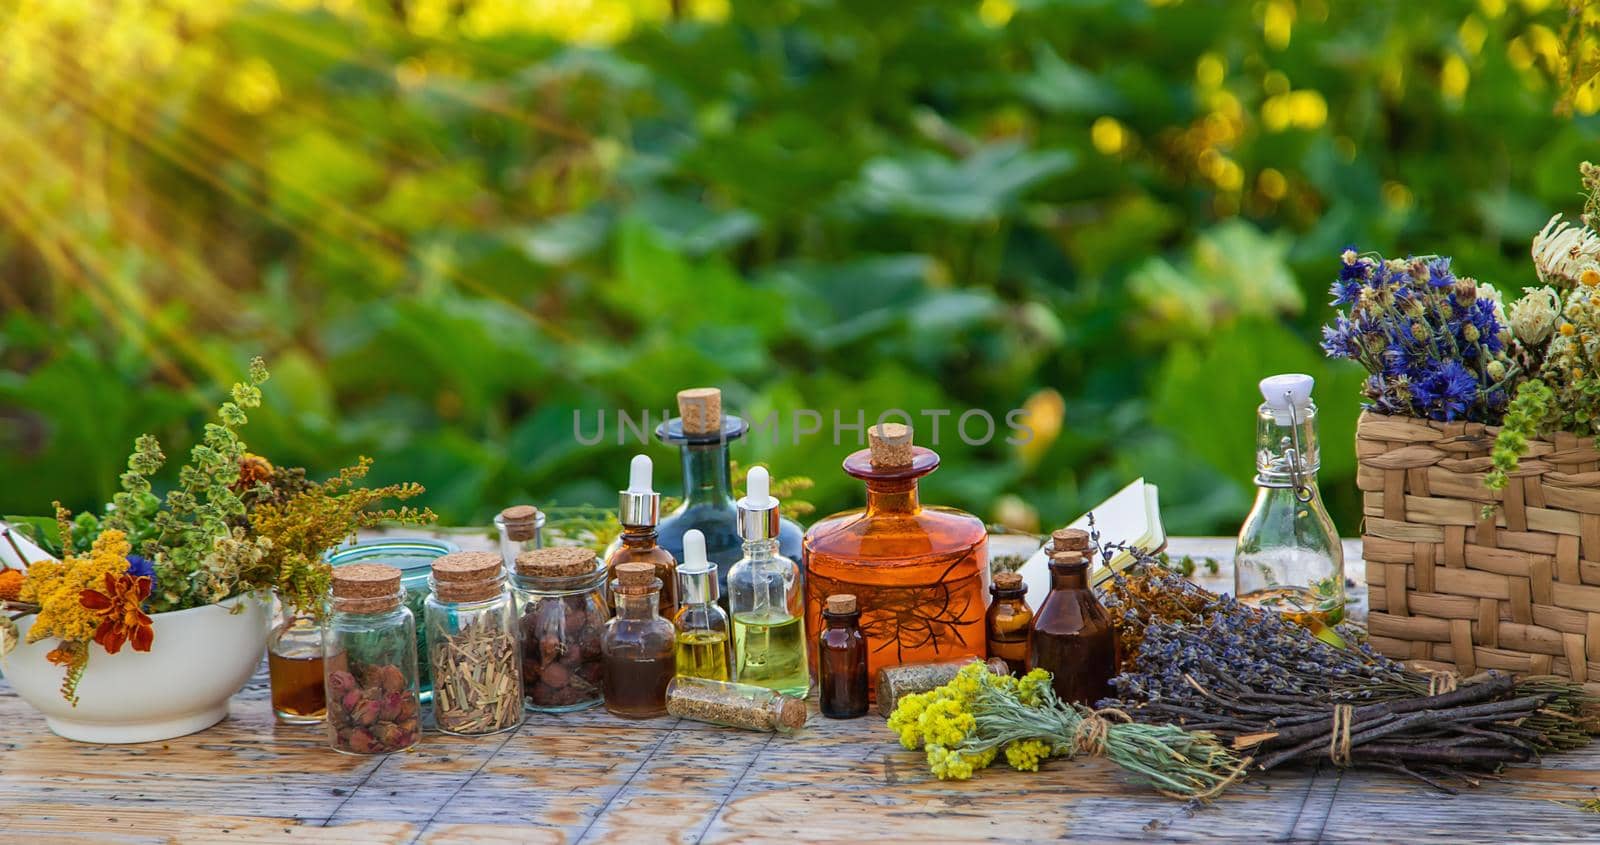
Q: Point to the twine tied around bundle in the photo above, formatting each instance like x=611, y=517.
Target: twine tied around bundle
x=1094, y=729
x=1339, y=736
x=1441, y=682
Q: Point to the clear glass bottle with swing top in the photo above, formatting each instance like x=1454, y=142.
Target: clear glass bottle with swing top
x=1289, y=557
x=766, y=594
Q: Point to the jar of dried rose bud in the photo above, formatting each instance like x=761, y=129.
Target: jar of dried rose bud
x=562, y=612
x=370, y=663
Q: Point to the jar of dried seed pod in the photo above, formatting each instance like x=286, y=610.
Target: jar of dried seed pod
x=370, y=660
x=735, y=705
x=561, y=614
x=472, y=646
x=897, y=682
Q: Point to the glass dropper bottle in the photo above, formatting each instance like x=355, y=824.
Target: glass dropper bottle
x=639, y=510
x=702, y=626
x=765, y=594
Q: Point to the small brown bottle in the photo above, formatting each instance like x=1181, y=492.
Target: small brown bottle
x=842, y=660
x=639, y=511
x=1071, y=636
x=1008, y=621
x=639, y=647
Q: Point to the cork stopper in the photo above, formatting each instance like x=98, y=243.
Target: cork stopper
x=468, y=576
x=558, y=562
x=841, y=604
x=791, y=714
x=521, y=522
x=366, y=588
x=1075, y=539
x=701, y=410
x=1007, y=580
x=636, y=579
x=890, y=444
x=1068, y=558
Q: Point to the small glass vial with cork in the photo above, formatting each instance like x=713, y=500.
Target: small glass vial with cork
x=703, y=640
x=639, y=510
x=639, y=646
x=561, y=618
x=1071, y=636
x=1289, y=557
x=842, y=660
x=521, y=529
x=894, y=683
x=1008, y=621
x=733, y=705
x=765, y=593
x=471, y=622
x=370, y=659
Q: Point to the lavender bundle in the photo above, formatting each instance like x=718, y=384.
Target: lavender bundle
x=1280, y=694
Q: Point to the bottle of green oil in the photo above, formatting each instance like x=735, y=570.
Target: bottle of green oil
x=766, y=595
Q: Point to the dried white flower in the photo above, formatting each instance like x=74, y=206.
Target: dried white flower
x=1533, y=317
x=1561, y=249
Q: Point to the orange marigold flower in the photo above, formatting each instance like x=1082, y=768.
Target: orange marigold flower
x=253, y=470
x=121, y=619
x=10, y=584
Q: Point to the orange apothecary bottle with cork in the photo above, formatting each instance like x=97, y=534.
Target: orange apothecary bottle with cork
x=920, y=574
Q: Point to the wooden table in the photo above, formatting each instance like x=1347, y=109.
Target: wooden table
x=588, y=777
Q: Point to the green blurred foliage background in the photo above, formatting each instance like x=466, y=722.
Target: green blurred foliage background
x=448, y=224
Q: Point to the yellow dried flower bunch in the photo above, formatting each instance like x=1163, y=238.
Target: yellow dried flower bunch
x=55, y=586
x=966, y=724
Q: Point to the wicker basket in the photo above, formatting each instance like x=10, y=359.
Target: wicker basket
x=1518, y=591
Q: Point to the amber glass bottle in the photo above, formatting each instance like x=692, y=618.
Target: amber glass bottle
x=639, y=647
x=639, y=510
x=1072, y=636
x=919, y=573
x=1008, y=621
x=842, y=660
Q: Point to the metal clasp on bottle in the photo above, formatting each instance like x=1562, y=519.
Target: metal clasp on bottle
x=1297, y=474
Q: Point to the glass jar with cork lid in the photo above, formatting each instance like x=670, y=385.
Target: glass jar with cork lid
x=734, y=705
x=521, y=529
x=472, y=646
x=370, y=660
x=1008, y=620
x=561, y=617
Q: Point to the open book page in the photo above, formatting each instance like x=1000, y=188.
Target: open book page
x=1132, y=515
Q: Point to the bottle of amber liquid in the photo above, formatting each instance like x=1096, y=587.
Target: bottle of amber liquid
x=1072, y=636
x=766, y=594
x=703, y=643
x=920, y=574
x=1008, y=621
x=638, y=646
x=639, y=510
x=842, y=660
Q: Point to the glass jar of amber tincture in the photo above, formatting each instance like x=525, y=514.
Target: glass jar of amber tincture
x=1072, y=636
x=1008, y=621
x=639, y=511
x=472, y=646
x=842, y=660
x=638, y=646
x=370, y=659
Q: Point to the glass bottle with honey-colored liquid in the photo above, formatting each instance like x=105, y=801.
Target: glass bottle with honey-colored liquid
x=639, y=647
x=639, y=510
x=1008, y=621
x=920, y=574
x=702, y=626
x=766, y=594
